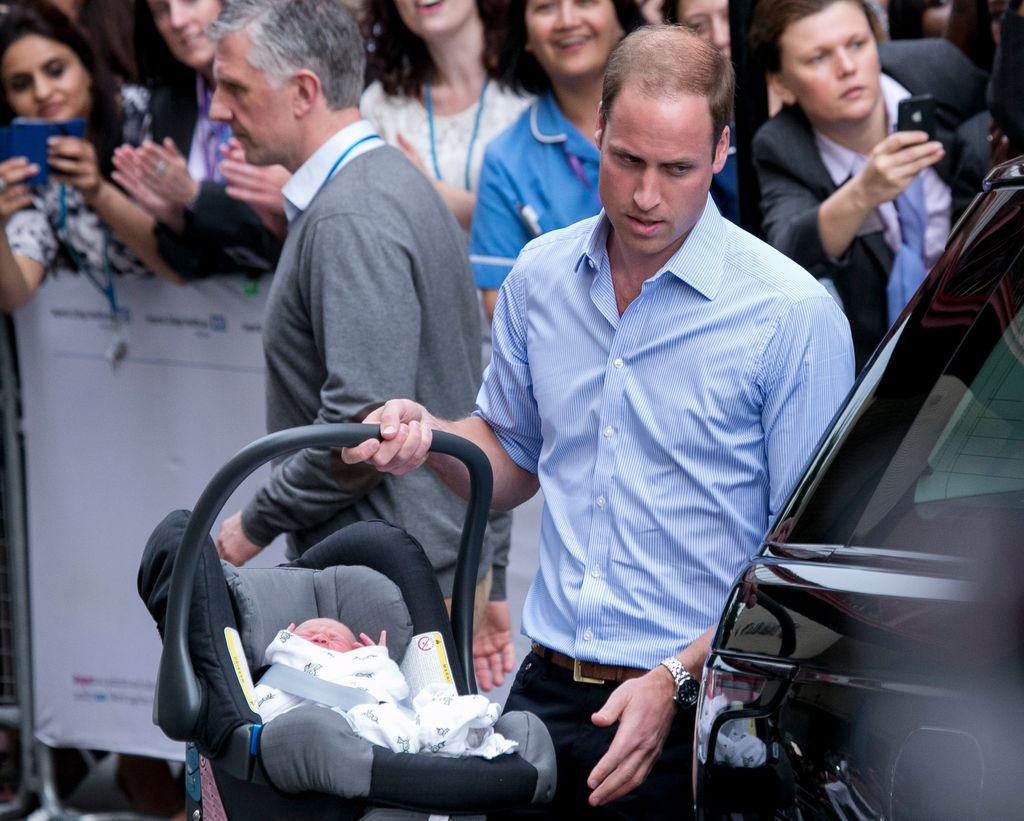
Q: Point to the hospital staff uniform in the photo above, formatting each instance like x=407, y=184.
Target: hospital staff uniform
x=538, y=175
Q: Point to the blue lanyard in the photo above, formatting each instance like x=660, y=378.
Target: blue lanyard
x=345, y=153
x=472, y=137
x=106, y=287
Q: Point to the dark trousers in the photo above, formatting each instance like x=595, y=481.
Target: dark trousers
x=565, y=707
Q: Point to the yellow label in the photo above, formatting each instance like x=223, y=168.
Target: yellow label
x=442, y=657
x=434, y=644
x=241, y=666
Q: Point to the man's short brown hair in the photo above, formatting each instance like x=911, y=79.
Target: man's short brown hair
x=670, y=61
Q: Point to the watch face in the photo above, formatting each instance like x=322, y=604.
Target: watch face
x=687, y=692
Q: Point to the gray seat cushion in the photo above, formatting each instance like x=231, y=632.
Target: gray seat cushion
x=268, y=599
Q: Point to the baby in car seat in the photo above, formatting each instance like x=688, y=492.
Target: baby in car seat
x=437, y=720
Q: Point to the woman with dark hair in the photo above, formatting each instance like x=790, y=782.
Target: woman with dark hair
x=76, y=221
x=863, y=207
x=541, y=173
x=181, y=176
x=438, y=96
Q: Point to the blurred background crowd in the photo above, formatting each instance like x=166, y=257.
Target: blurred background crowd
x=495, y=102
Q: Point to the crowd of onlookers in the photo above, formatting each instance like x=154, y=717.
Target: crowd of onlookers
x=495, y=102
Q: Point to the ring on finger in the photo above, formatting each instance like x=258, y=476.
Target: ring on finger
x=3, y=185
x=161, y=167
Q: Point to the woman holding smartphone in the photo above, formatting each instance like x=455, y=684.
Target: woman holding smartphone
x=863, y=207
x=78, y=221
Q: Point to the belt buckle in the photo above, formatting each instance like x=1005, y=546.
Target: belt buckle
x=582, y=679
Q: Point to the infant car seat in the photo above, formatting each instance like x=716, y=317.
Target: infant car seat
x=307, y=763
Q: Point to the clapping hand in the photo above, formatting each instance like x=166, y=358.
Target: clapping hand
x=257, y=186
x=129, y=173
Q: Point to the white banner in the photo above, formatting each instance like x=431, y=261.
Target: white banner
x=109, y=451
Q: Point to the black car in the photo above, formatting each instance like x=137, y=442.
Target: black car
x=869, y=662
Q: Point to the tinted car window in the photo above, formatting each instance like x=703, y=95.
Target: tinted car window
x=935, y=457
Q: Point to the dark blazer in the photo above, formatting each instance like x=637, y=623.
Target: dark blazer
x=222, y=235
x=1006, y=90
x=794, y=181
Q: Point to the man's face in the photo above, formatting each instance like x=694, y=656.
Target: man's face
x=259, y=114
x=657, y=160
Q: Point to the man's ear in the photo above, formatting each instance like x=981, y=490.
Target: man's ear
x=307, y=90
x=778, y=85
x=721, y=153
x=599, y=128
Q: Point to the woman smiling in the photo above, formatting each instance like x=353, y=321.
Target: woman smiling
x=541, y=173
x=438, y=97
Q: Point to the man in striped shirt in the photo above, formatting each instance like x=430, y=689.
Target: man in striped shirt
x=663, y=377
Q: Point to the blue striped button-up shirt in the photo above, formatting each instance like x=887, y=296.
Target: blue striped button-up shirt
x=663, y=439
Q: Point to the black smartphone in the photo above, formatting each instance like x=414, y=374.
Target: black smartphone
x=917, y=113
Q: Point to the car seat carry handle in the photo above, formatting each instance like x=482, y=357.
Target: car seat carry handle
x=178, y=700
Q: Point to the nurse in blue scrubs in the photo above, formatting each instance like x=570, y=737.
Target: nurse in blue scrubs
x=541, y=173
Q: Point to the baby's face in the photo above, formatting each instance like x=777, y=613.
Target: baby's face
x=327, y=633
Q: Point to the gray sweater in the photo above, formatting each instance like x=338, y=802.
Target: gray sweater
x=372, y=299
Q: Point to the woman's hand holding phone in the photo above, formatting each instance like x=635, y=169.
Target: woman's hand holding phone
x=893, y=164
x=73, y=162
x=14, y=192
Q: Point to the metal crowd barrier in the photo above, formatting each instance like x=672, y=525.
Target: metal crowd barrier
x=15, y=651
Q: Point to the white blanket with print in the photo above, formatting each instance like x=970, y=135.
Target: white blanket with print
x=438, y=721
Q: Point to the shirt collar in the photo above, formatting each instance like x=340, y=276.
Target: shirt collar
x=312, y=175
x=842, y=162
x=699, y=262
x=549, y=125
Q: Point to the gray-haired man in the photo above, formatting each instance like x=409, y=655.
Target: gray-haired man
x=372, y=296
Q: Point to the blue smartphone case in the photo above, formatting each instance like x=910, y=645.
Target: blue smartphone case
x=27, y=138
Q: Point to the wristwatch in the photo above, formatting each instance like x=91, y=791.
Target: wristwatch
x=687, y=687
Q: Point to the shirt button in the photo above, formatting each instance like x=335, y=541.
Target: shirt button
x=596, y=572
x=588, y=636
x=618, y=363
x=608, y=431
x=600, y=501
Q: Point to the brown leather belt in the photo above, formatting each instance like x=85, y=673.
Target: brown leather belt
x=588, y=672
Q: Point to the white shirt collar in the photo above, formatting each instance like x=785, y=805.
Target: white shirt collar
x=314, y=173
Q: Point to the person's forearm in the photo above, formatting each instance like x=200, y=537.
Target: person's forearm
x=459, y=202
x=490, y=299
x=19, y=277
x=840, y=218
x=694, y=654
x=512, y=484
x=133, y=226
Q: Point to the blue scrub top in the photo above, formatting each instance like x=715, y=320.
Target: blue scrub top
x=538, y=175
